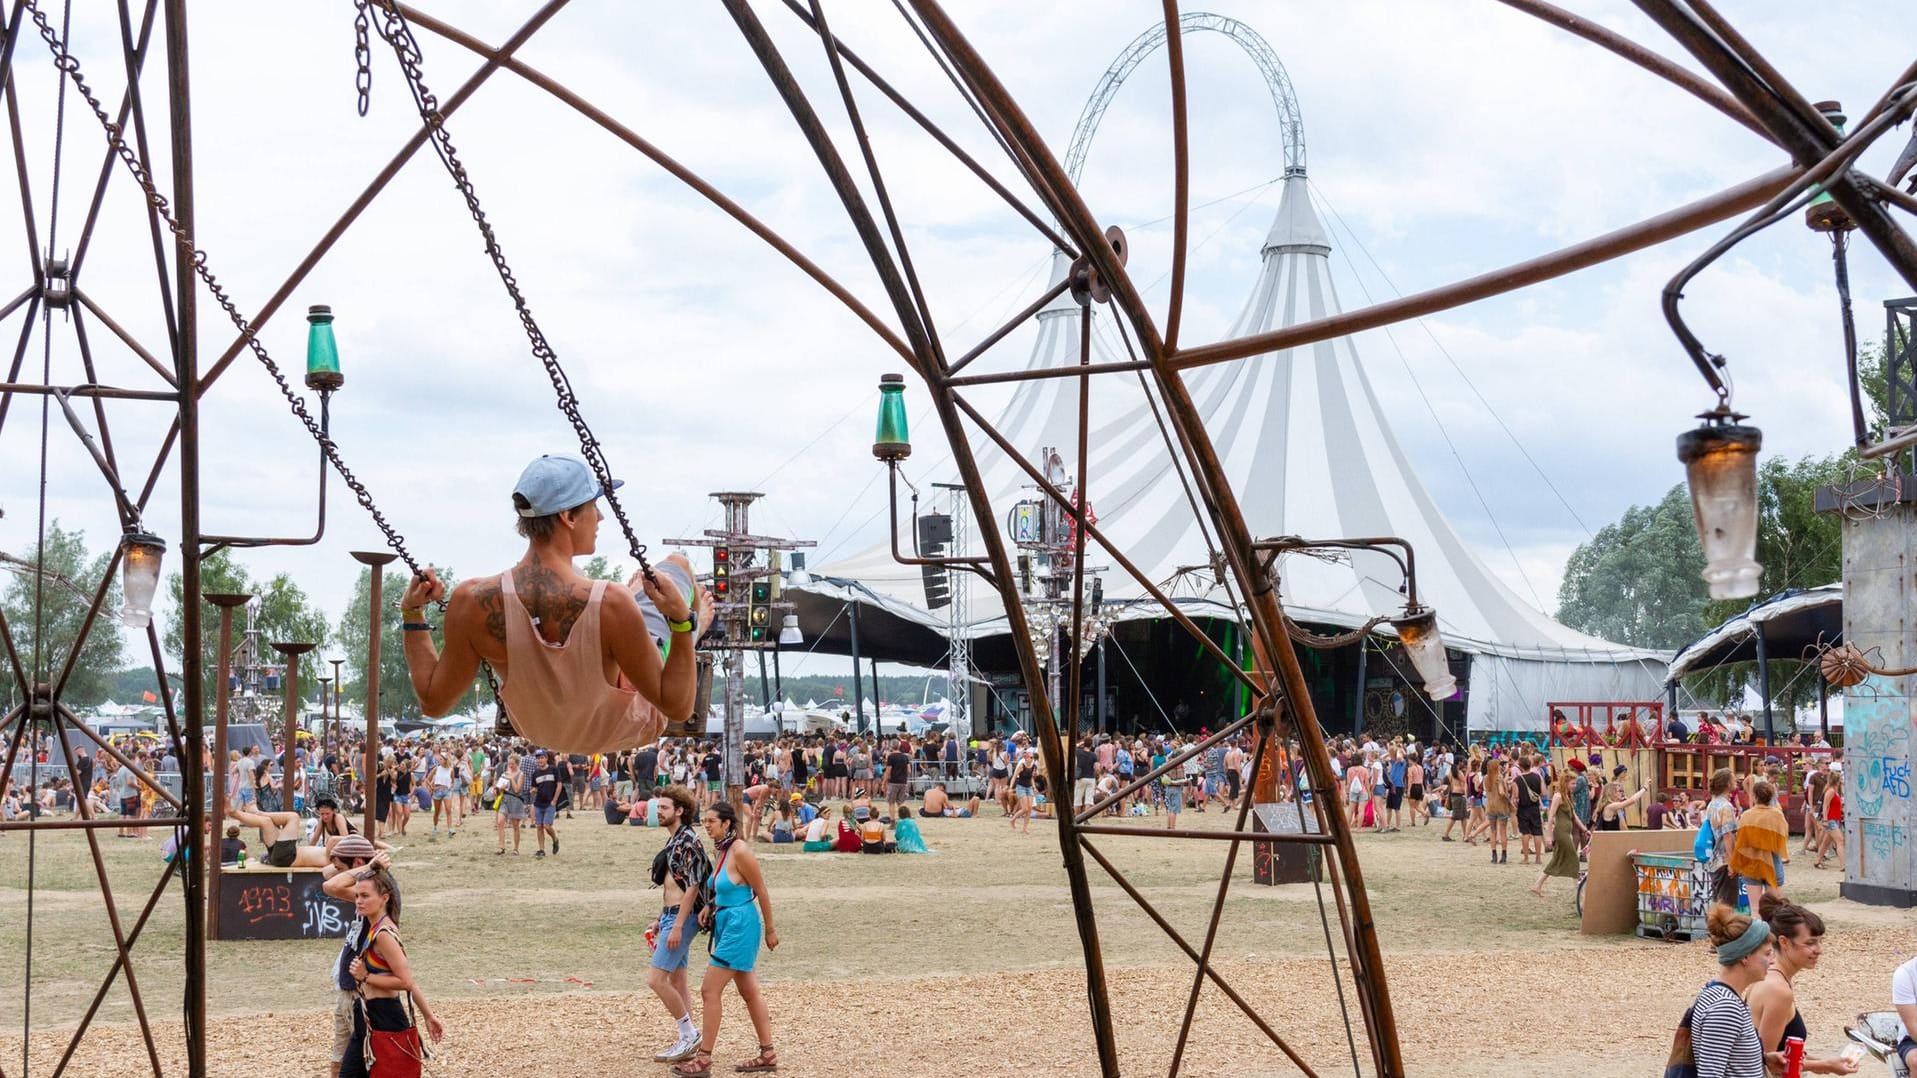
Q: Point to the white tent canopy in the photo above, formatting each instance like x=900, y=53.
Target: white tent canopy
x=1307, y=448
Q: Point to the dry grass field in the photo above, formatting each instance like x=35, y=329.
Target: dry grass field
x=963, y=962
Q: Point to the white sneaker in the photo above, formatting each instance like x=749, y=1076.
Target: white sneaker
x=682, y=1049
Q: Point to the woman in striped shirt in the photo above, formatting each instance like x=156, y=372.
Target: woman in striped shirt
x=1723, y=1039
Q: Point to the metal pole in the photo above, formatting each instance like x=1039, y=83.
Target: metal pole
x=339, y=686
x=1764, y=685
x=778, y=679
x=1823, y=707
x=289, y=756
x=1358, y=704
x=765, y=687
x=1099, y=710
x=858, y=705
x=192, y=663
x=222, y=702
x=375, y=562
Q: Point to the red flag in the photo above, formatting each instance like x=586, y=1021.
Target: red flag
x=149, y=698
x=839, y=691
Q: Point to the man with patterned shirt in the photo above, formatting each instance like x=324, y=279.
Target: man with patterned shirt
x=681, y=868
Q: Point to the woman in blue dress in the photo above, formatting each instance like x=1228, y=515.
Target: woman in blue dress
x=739, y=913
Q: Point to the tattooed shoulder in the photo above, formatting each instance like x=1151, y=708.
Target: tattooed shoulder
x=491, y=600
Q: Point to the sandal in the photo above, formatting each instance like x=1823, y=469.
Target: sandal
x=699, y=1066
x=766, y=1060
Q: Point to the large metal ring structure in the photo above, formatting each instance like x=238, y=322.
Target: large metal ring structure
x=1752, y=93
x=1291, y=122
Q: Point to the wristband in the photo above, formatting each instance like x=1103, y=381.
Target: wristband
x=414, y=614
x=685, y=626
x=416, y=627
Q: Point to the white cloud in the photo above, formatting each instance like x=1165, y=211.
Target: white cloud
x=1451, y=139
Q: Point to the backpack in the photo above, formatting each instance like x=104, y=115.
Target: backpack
x=1682, y=1063
x=1706, y=842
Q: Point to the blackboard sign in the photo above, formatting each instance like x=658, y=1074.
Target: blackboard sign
x=1274, y=863
x=280, y=906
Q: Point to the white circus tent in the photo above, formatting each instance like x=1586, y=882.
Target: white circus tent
x=1309, y=452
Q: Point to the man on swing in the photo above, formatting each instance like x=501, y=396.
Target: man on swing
x=578, y=670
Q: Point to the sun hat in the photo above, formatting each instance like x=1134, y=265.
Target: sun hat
x=552, y=484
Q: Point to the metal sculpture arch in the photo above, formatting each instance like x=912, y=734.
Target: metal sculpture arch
x=1754, y=95
x=1291, y=121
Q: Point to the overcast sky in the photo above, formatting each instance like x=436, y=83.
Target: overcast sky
x=1444, y=139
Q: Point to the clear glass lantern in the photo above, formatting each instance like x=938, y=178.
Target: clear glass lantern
x=1720, y=462
x=140, y=558
x=1418, y=632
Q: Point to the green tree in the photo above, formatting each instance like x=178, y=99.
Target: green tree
x=1637, y=581
x=396, y=696
x=56, y=581
x=598, y=567
x=280, y=611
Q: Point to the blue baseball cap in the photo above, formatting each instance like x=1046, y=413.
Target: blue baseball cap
x=554, y=484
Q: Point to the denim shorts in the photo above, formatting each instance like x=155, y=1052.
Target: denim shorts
x=666, y=958
x=543, y=815
x=1174, y=799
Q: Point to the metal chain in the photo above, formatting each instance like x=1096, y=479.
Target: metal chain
x=363, y=55
x=397, y=33
x=69, y=64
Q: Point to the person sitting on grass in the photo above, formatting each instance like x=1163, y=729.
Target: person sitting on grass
x=939, y=803
x=909, y=840
x=616, y=810
x=815, y=835
x=848, y=840
x=872, y=835
x=784, y=824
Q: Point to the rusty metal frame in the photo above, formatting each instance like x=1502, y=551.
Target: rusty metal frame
x=1757, y=97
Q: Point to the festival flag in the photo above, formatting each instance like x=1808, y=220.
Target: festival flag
x=148, y=697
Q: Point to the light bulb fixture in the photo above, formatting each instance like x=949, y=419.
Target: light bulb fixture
x=891, y=442
x=322, y=353
x=140, y=555
x=799, y=578
x=789, y=630
x=1720, y=462
x=1418, y=632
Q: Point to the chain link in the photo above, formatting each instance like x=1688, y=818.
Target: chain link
x=397, y=33
x=69, y=64
x=363, y=55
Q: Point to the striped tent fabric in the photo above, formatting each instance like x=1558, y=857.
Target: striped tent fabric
x=1309, y=452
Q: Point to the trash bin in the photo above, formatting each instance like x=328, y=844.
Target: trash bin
x=1672, y=889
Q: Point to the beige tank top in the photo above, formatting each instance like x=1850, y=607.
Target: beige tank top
x=557, y=693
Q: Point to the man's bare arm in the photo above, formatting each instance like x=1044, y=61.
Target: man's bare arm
x=440, y=678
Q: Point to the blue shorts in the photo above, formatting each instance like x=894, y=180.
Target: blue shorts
x=247, y=797
x=1174, y=799
x=668, y=958
x=543, y=815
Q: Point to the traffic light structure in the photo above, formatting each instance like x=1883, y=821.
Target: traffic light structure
x=745, y=587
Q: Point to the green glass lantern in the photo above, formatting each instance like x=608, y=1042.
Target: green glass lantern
x=1824, y=214
x=891, y=442
x=322, y=354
